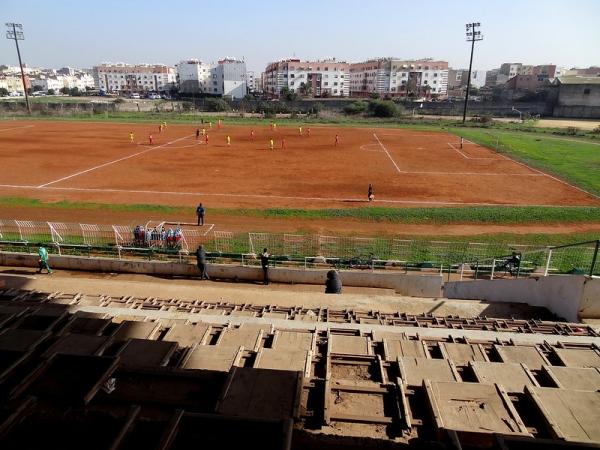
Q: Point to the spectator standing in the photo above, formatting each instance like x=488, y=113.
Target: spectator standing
x=200, y=213
x=264, y=262
x=43, y=261
x=201, y=262
x=333, y=284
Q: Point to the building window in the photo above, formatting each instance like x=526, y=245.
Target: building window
x=326, y=83
x=586, y=91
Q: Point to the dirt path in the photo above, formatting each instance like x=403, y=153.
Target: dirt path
x=291, y=225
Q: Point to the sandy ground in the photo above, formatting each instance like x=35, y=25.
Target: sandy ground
x=564, y=123
x=275, y=294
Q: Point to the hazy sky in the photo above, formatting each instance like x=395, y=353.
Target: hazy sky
x=83, y=33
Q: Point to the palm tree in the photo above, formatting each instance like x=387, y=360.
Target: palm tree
x=305, y=90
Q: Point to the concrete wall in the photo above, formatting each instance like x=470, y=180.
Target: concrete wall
x=577, y=112
x=409, y=285
x=571, y=297
x=589, y=307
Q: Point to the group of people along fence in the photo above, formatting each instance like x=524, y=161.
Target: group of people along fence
x=157, y=237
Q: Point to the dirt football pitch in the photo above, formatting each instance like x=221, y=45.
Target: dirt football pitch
x=91, y=161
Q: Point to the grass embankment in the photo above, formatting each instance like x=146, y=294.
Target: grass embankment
x=571, y=159
x=488, y=215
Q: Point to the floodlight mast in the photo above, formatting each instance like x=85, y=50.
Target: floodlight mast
x=472, y=36
x=17, y=36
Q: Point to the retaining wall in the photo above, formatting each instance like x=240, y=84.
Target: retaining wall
x=572, y=297
x=404, y=284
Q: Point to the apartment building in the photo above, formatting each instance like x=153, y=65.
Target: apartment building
x=324, y=78
x=394, y=77
x=134, y=78
x=228, y=77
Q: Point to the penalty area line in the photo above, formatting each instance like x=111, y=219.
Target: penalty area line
x=112, y=162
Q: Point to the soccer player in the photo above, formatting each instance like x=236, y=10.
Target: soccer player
x=160, y=127
x=210, y=125
x=203, y=131
x=337, y=139
x=308, y=132
x=252, y=134
x=300, y=131
x=461, y=142
x=131, y=137
x=150, y=138
x=274, y=126
x=164, y=125
x=197, y=133
x=271, y=126
x=271, y=144
x=370, y=194
x=219, y=124
x=206, y=139
x=283, y=144
x=228, y=140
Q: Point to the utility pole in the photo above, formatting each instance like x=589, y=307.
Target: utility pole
x=17, y=36
x=472, y=36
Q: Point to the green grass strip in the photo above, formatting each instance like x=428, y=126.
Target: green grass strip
x=473, y=215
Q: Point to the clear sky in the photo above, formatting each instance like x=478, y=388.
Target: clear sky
x=83, y=33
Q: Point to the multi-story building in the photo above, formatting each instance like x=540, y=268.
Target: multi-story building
x=14, y=83
x=399, y=78
x=134, y=78
x=457, y=78
x=194, y=76
x=226, y=78
x=510, y=69
x=231, y=76
x=325, y=78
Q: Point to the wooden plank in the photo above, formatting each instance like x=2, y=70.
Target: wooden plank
x=350, y=345
x=572, y=415
x=415, y=370
x=211, y=357
x=136, y=330
x=578, y=378
x=187, y=335
x=146, y=353
x=473, y=408
x=572, y=357
x=395, y=348
x=514, y=377
x=79, y=344
x=294, y=360
x=462, y=354
x=530, y=356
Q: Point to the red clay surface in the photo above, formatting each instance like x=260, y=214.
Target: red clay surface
x=90, y=161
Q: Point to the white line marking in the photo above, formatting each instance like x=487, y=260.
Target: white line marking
x=464, y=155
x=387, y=153
x=324, y=199
x=112, y=162
x=17, y=128
x=212, y=225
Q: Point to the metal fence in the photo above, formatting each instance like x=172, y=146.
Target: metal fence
x=449, y=255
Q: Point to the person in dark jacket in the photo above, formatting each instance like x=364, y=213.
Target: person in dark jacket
x=333, y=284
x=201, y=261
x=200, y=213
x=264, y=262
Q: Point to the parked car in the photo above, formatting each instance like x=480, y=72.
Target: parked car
x=154, y=96
x=135, y=95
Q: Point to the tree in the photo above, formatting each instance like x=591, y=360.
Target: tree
x=37, y=88
x=74, y=92
x=51, y=92
x=288, y=94
x=217, y=105
x=64, y=90
x=3, y=92
x=305, y=90
x=374, y=95
x=383, y=108
x=357, y=107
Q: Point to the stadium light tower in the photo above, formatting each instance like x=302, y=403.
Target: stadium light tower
x=472, y=36
x=17, y=35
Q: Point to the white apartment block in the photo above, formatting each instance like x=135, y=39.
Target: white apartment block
x=398, y=78
x=325, y=78
x=134, y=78
x=226, y=78
x=194, y=77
